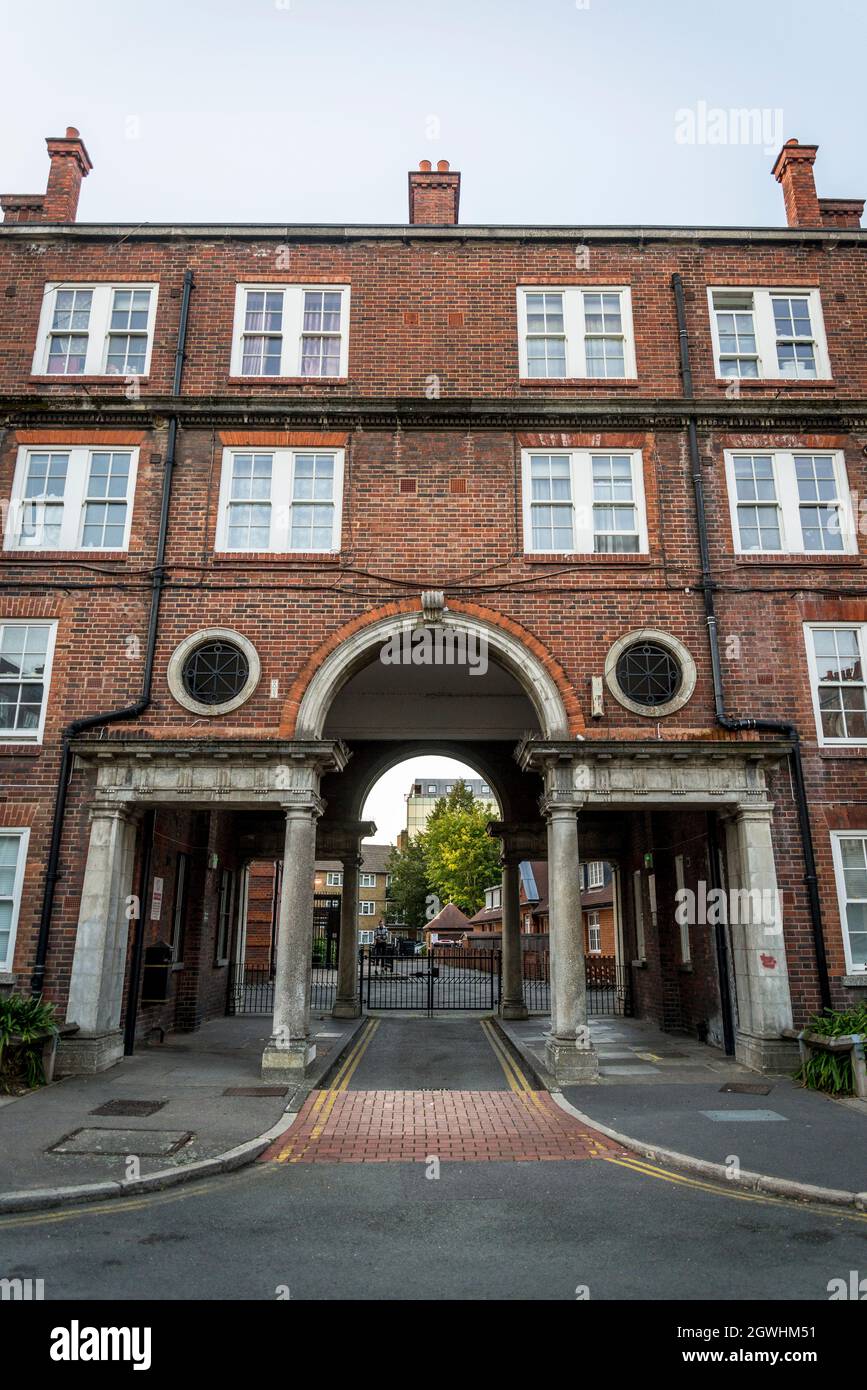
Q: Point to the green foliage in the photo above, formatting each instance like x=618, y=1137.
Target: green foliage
x=410, y=886
x=462, y=859
x=832, y=1071
x=25, y=1022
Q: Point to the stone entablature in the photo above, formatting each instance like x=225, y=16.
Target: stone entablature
x=207, y=773
x=608, y=773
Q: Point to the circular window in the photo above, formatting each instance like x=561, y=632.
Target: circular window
x=650, y=672
x=214, y=671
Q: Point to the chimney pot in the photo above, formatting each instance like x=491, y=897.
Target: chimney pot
x=442, y=165
x=424, y=166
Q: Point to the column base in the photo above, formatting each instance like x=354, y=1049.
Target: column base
x=570, y=1064
x=766, y=1054
x=513, y=1010
x=86, y=1054
x=346, y=1008
x=288, y=1061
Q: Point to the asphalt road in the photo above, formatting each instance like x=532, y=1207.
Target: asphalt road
x=478, y=1231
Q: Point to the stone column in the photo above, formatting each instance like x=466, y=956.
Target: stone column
x=570, y=1055
x=289, y=1049
x=99, y=958
x=512, y=1005
x=758, y=946
x=347, y=1003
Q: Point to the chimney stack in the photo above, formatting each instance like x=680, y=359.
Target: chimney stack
x=794, y=170
x=434, y=195
x=70, y=163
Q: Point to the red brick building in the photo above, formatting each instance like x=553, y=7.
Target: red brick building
x=646, y=447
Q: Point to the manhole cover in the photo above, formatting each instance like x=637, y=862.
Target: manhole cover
x=157, y=1143
x=747, y=1088
x=255, y=1091
x=129, y=1108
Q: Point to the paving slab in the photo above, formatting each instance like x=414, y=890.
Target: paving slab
x=694, y=1105
x=193, y=1097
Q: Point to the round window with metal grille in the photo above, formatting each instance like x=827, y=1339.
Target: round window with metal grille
x=649, y=674
x=215, y=673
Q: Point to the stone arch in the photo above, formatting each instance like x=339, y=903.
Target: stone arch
x=349, y=650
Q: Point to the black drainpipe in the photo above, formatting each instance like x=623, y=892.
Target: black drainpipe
x=774, y=726
x=91, y=721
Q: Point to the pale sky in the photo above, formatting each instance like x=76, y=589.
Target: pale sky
x=555, y=111
x=387, y=805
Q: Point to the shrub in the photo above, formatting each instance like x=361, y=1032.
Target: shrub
x=832, y=1071
x=25, y=1022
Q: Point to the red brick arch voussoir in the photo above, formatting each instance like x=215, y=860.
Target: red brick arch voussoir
x=292, y=703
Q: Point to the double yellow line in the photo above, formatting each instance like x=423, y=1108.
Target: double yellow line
x=514, y=1076
x=325, y=1100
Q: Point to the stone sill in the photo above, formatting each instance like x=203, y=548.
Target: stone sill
x=10, y=749
x=65, y=556
x=270, y=557
x=855, y=981
x=289, y=381
x=685, y=967
x=589, y=558
x=842, y=754
x=8, y=977
x=810, y=561
x=572, y=383
x=60, y=379
x=638, y=964
x=772, y=383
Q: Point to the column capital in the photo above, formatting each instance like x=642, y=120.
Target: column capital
x=520, y=839
x=116, y=810
x=337, y=839
x=560, y=805
x=752, y=810
x=303, y=803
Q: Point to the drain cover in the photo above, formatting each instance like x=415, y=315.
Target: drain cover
x=146, y=1142
x=255, y=1091
x=747, y=1088
x=129, y=1108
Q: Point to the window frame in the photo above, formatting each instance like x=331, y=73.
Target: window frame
x=333, y=878
x=74, y=498
x=784, y=468
x=594, y=926
x=766, y=332
x=595, y=881
x=22, y=832
x=34, y=737
x=574, y=331
x=98, y=328
x=813, y=674
x=292, y=330
x=180, y=898
x=582, y=502
x=366, y=880
x=282, y=486
x=225, y=914
x=363, y=904
x=842, y=899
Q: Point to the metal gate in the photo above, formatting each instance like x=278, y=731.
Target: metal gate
x=444, y=979
x=326, y=930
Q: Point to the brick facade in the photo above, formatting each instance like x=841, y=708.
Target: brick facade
x=433, y=395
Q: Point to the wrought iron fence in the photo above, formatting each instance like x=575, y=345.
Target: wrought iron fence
x=447, y=978
x=251, y=989
x=444, y=979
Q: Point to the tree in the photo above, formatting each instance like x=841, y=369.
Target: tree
x=410, y=886
x=462, y=859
